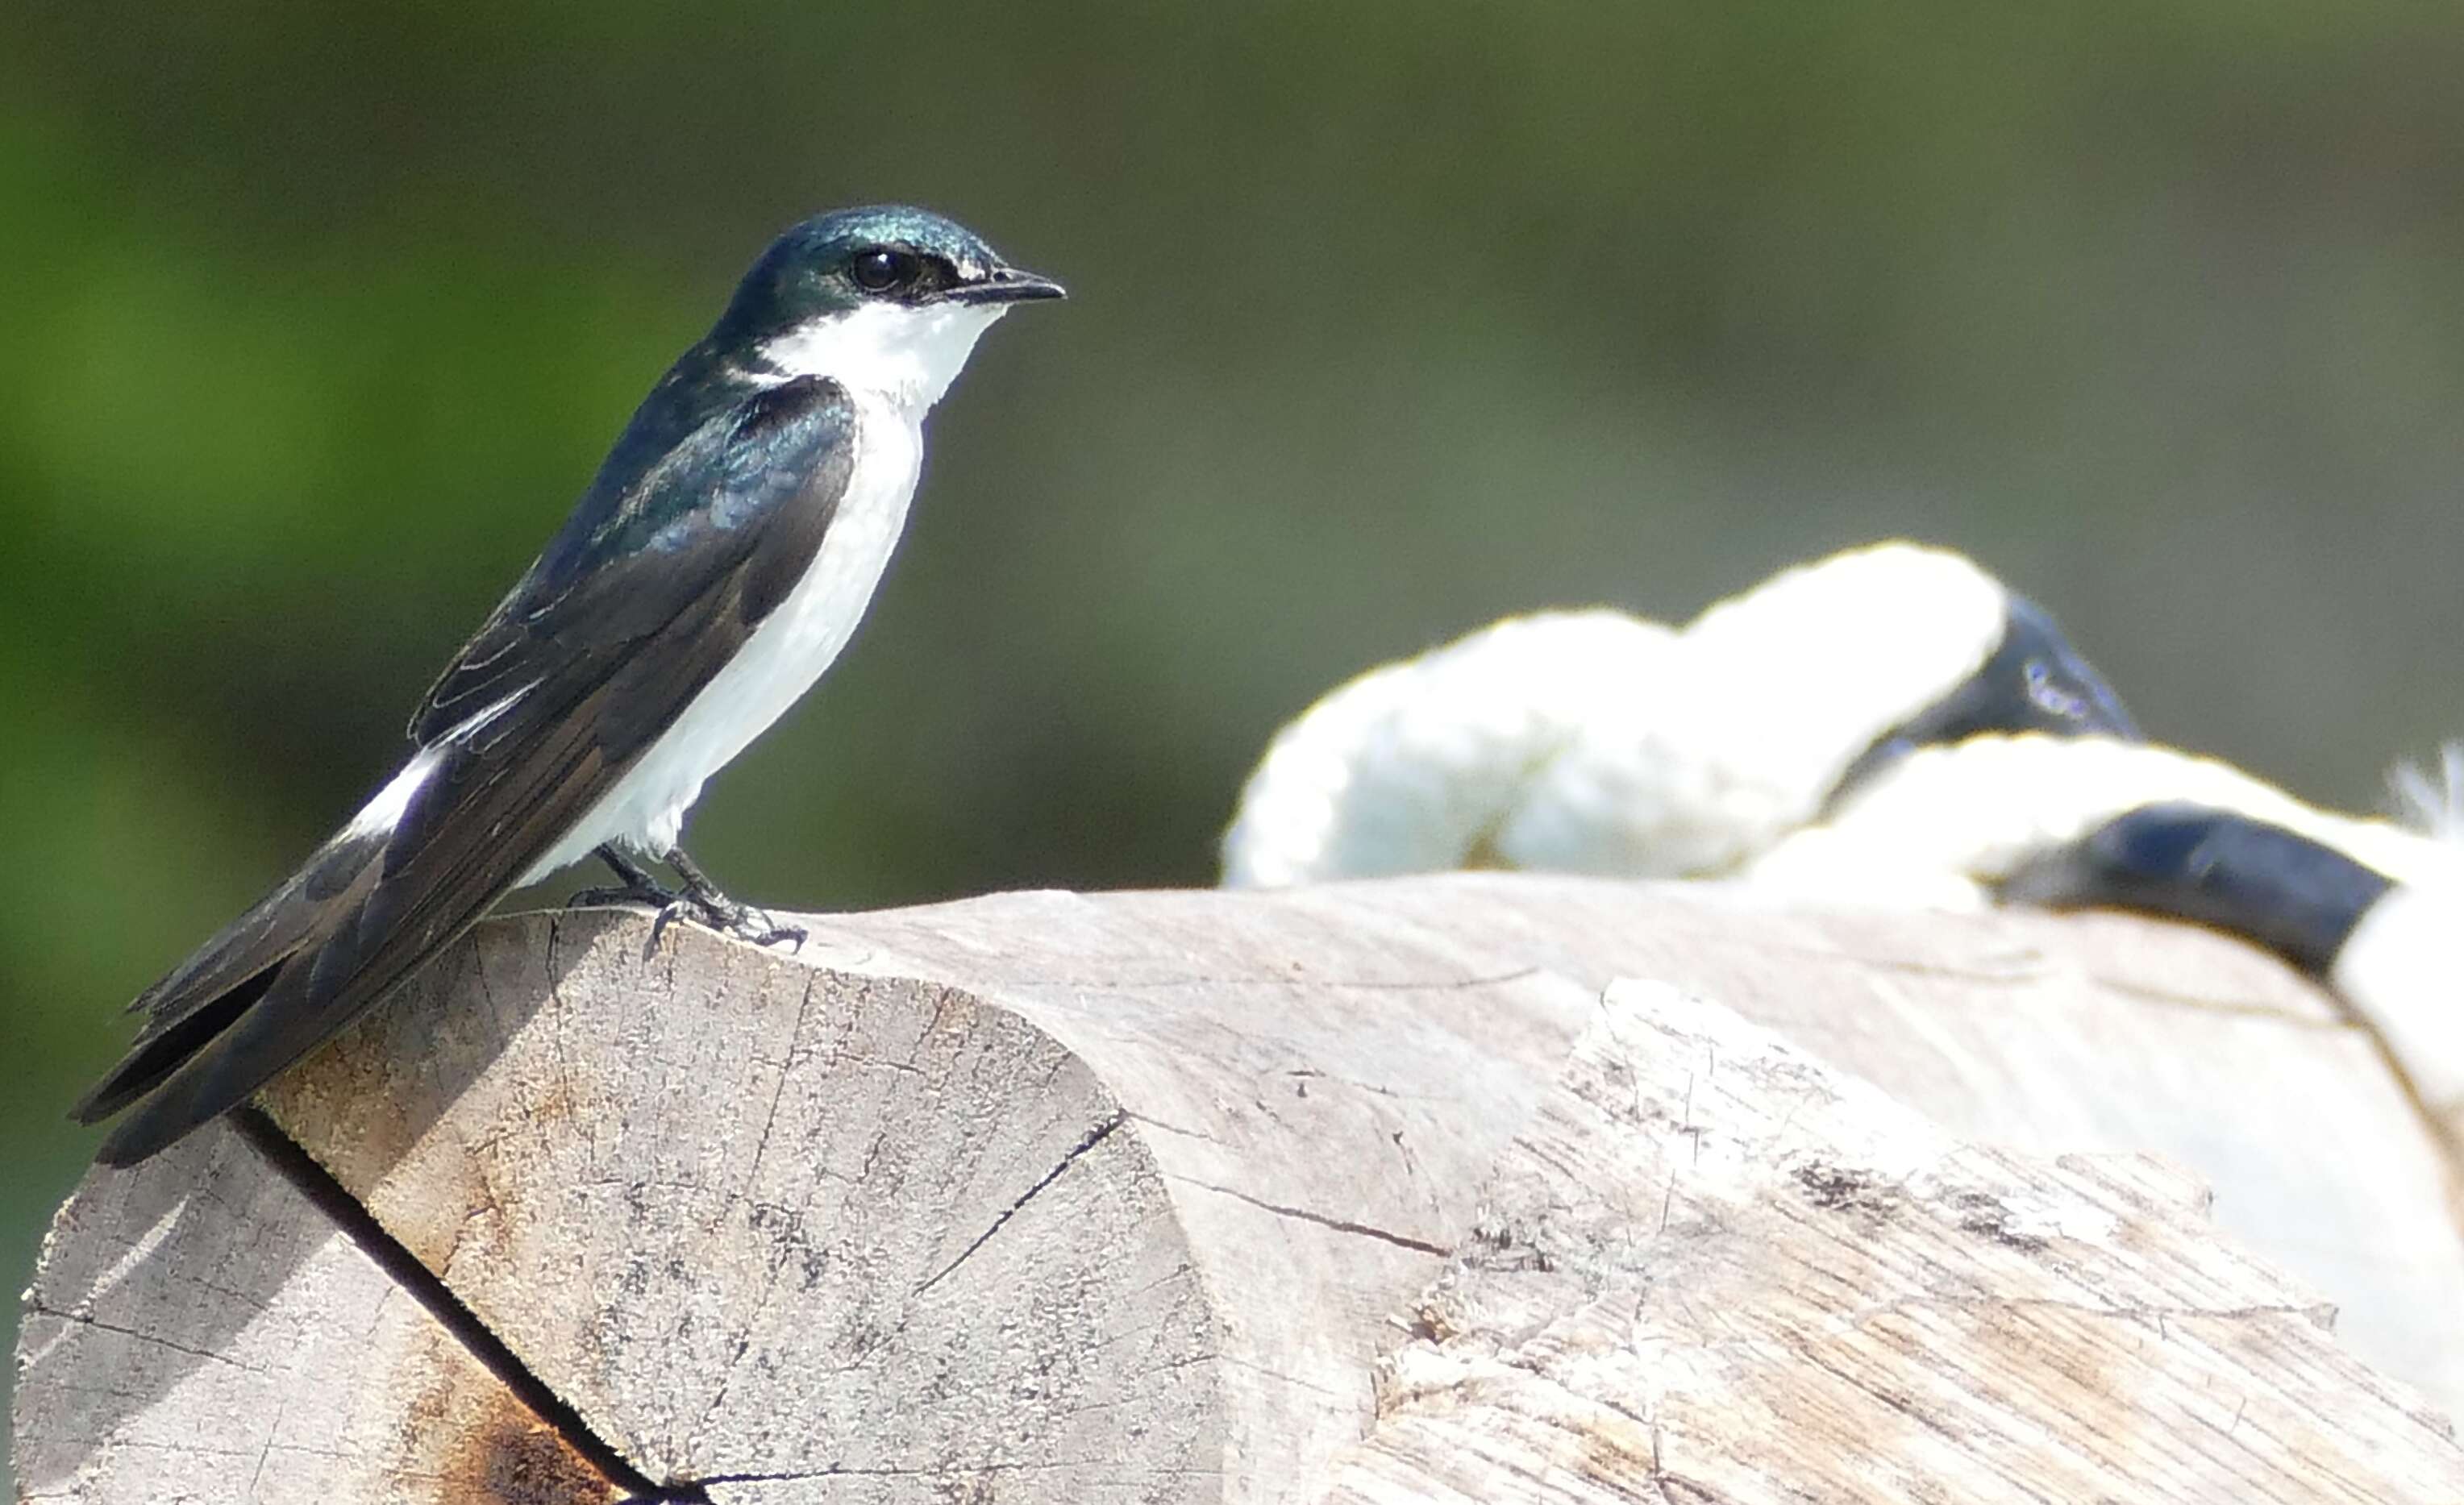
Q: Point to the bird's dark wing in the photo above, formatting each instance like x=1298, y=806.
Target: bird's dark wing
x=606, y=640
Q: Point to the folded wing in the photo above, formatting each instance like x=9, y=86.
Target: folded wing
x=647, y=593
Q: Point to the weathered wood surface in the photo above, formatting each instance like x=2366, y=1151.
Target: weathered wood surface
x=238, y=1350
x=1715, y=1269
x=1079, y=1198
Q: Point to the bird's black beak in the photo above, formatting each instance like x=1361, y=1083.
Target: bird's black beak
x=1006, y=285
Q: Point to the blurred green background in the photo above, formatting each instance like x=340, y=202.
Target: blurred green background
x=1390, y=319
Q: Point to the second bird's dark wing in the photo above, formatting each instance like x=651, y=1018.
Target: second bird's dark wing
x=647, y=593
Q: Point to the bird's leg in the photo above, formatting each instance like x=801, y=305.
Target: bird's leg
x=635, y=884
x=720, y=912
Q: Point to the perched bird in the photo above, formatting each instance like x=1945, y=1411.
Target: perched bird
x=1597, y=742
x=713, y=568
x=2369, y=907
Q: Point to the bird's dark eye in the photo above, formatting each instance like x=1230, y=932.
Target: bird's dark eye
x=878, y=269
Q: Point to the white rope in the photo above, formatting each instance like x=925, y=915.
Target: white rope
x=1413, y=766
x=1596, y=741
x=1974, y=811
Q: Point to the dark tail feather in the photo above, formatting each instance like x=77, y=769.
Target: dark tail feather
x=159, y=1052
x=276, y=926
x=197, y=1004
x=367, y=911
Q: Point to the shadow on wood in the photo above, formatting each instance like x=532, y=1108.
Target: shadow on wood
x=1047, y=1197
x=200, y=1260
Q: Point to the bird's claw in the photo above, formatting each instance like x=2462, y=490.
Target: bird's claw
x=725, y=916
x=748, y=923
x=762, y=930
x=699, y=899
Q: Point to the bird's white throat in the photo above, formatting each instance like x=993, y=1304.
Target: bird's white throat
x=909, y=356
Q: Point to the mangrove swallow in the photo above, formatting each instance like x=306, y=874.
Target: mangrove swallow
x=711, y=571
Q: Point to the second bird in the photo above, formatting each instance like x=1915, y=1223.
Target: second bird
x=717, y=563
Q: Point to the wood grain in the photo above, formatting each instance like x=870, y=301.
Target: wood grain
x=1715, y=1269
x=1093, y=1198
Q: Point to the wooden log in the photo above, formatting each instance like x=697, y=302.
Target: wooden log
x=1067, y=1198
x=1715, y=1269
x=202, y=1333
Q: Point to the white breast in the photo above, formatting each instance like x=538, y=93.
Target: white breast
x=646, y=810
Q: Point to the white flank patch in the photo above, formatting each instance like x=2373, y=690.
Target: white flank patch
x=385, y=811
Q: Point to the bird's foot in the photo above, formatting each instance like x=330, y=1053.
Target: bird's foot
x=635, y=884
x=698, y=899
x=649, y=896
x=702, y=901
x=715, y=911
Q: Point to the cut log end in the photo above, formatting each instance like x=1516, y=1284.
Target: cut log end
x=1045, y=1198
x=708, y=1184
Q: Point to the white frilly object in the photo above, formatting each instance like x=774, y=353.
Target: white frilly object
x=1596, y=741
x=1414, y=766
x=1600, y=742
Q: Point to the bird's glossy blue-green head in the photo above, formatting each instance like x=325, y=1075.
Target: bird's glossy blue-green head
x=887, y=299
x=881, y=255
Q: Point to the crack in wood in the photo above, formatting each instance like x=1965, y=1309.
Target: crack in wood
x=1175, y=1128
x=356, y=1223
x=1095, y=1137
x=2226, y=1008
x=36, y=1308
x=1321, y=1219
x=1433, y=984
x=786, y=1071
x=953, y=1469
